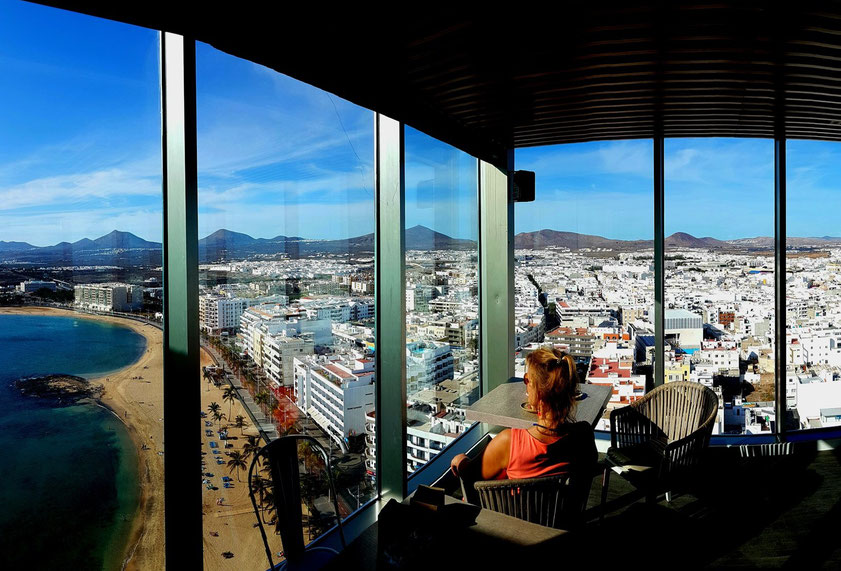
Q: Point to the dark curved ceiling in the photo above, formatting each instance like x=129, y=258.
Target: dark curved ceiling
x=540, y=77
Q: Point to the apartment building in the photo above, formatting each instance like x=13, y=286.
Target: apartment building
x=336, y=393
x=108, y=297
x=218, y=313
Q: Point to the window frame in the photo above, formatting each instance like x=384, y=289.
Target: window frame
x=496, y=294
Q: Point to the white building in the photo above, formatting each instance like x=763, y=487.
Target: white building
x=336, y=394
x=278, y=354
x=428, y=432
x=31, y=286
x=684, y=328
x=262, y=321
x=219, y=313
x=427, y=363
x=426, y=435
x=108, y=297
x=339, y=310
x=723, y=355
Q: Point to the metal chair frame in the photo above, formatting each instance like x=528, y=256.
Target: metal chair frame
x=282, y=454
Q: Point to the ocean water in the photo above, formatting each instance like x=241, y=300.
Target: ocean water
x=68, y=475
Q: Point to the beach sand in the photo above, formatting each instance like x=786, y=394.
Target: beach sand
x=135, y=395
x=233, y=522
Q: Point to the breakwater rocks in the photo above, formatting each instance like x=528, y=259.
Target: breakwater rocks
x=63, y=389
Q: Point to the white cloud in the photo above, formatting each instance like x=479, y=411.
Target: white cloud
x=57, y=190
x=235, y=136
x=589, y=159
x=331, y=187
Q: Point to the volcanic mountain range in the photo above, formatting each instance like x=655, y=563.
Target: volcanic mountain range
x=125, y=249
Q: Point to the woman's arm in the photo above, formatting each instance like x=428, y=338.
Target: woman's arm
x=492, y=462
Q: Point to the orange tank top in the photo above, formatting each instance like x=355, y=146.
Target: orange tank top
x=531, y=458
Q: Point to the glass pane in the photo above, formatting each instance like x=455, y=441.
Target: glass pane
x=286, y=221
x=813, y=271
x=719, y=306
x=80, y=271
x=442, y=309
x=584, y=255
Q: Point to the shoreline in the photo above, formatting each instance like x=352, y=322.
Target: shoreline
x=134, y=394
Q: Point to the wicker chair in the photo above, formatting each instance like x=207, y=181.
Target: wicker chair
x=657, y=439
x=553, y=501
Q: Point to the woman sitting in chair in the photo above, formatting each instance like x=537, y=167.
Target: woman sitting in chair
x=556, y=444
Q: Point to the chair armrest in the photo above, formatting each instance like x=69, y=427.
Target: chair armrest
x=686, y=452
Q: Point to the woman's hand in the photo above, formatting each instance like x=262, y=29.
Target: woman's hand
x=456, y=463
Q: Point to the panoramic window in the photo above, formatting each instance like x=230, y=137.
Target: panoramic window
x=813, y=272
x=719, y=272
x=584, y=263
x=442, y=309
x=80, y=292
x=286, y=300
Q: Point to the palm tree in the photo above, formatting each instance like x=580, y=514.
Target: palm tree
x=230, y=395
x=213, y=407
x=263, y=487
x=236, y=461
x=251, y=447
x=268, y=507
x=261, y=399
x=219, y=417
x=240, y=423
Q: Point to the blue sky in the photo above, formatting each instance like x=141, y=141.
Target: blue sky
x=79, y=126
x=80, y=155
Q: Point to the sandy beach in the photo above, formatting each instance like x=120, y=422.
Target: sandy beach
x=229, y=527
x=135, y=395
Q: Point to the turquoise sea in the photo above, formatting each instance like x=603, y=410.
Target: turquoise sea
x=68, y=475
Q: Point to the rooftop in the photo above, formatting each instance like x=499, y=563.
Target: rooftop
x=681, y=314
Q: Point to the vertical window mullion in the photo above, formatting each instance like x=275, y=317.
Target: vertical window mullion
x=496, y=275
x=659, y=261
x=780, y=281
x=390, y=295
x=182, y=497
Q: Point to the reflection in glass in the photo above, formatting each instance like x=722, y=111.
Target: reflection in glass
x=81, y=399
x=584, y=275
x=813, y=270
x=286, y=306
x=719, y=305
x=442, y=311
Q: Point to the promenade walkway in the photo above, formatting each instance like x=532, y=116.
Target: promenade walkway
x=264, y=424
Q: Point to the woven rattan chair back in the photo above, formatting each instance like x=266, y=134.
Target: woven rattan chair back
x=765, y=450
x=553, y=501
x=679, y=408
